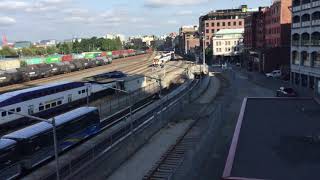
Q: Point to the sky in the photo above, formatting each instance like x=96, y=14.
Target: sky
x=63, y=19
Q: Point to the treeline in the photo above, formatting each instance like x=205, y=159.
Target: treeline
x=85, y=45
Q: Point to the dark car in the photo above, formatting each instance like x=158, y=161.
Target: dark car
x=286, y=92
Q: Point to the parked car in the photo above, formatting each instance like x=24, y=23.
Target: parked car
x=274, y=74
x=286, y=92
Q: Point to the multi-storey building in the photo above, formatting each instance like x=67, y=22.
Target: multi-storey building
x=221, y=19
x=227, y=43
x=305, y=49
x=188, y=39
x=267, y=38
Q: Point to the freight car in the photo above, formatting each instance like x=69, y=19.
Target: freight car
x=8, y=64
x=40, y=67
x=26, y=148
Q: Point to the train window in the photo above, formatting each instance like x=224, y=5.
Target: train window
x=83, y=91
x=10, y=111
x=59, y=102
x=18, y=109
x=4, y=113
x=79, y=92
x=54, y=104
x=48, y=106
x=41, y=108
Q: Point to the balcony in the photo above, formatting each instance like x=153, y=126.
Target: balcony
x=307, y=63
x=306, y=24
x=305, y=42
x=296, y=62
x=296, y=8
x=295, y=43
x=316, y=4
x=305, y=6
x=316, y=22
x=296, y=25
x=315, y=42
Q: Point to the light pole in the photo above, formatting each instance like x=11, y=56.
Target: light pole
x=203, y=49
x=55, y=141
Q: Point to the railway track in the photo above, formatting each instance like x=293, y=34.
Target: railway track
x=169, y=163
x=119, y=64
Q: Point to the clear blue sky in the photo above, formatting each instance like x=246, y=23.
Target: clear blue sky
x=63, y=19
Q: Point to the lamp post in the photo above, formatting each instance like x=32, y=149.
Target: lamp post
x=55, y=141
x=204, y=49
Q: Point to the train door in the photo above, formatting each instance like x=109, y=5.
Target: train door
x=69, y=98
x=31, y=109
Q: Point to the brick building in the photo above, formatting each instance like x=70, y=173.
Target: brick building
x=188, y=40
x=222, y=19
x=267, y=38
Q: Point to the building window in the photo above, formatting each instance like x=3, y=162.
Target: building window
x=240, y=23
x=218, y=24
x=234, y=23
x=229, y=23
x=207, y=24
x=212, y=24
x=217, y=49
x=207, y=30
x=218, y=30
x=223, y=24
x=212, y=30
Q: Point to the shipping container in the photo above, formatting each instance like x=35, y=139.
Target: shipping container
x=77, y=56
x=33, y=61
x=10, y=64
x=53, y=59
x=66, y=58
x=103, y=54
x=109, y=53
x=89, y=55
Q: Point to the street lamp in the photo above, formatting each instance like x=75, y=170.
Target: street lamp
x=54, y=129
x=203, y=49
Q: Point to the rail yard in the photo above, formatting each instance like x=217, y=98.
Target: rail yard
x=124, y=88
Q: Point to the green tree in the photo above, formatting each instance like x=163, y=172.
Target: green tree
x=52, y=50
x=27, y=52
x=7, y=51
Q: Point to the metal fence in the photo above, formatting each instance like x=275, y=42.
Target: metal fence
x=131, y=135
x=111, y=104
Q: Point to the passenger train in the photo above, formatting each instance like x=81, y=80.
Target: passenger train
x=24, y=149
x=46, y=100
x=163, y=58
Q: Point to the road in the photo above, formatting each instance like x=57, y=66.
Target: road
x=234, y=88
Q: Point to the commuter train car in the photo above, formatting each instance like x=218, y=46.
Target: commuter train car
x=26, y=148
x=9, y=159
x=161, y=59
x=43, y=100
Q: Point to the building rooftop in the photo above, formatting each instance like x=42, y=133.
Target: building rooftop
x=276, y=139
x=230, y=31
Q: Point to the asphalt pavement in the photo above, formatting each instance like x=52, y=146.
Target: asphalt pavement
x=235, y=87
